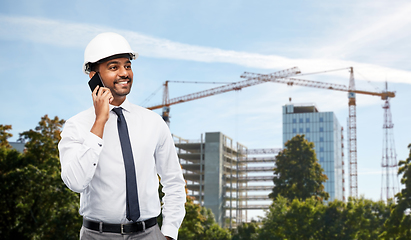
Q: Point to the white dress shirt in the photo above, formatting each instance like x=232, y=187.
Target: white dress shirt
x=94, y=167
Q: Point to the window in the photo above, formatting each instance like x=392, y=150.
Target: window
x=301, y=130
x=321, y=139
x=321, y=159
x=294, y=130
x=307, y=130
x=294, y=120
x=321, y=149
x=308, y=139
x=321, y=129
x=307, y=120
x=301, y=120
x=321, y=119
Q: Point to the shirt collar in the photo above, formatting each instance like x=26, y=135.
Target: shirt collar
x=125, y=106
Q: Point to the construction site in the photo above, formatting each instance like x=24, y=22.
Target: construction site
x=231, y=179
x=225, y=176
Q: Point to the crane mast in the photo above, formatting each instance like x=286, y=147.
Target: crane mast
x=284, y=76
x=352, y=137
x=352, y=120
x=389, y=178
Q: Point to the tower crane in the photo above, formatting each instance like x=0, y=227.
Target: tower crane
x=284, y=77
x=217, y=90
x=352, y=128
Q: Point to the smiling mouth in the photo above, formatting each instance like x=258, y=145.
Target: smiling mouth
x=122, y=82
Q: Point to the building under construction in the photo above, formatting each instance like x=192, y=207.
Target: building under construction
x=231, y=179
x=225, y=176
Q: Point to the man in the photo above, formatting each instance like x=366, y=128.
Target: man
x=112, y=152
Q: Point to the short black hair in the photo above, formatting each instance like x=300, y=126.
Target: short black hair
x=93, y=66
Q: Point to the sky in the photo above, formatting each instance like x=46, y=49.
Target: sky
x=42, y=44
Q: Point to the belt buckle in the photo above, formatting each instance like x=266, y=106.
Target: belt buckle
x=122, y=229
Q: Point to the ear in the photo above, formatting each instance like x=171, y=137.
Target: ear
x=91, y=74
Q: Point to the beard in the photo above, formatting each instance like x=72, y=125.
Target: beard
x=120, y=89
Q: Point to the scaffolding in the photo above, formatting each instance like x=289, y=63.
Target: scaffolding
x=220, y=175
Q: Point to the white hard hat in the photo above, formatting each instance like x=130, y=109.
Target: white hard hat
x=106, y=45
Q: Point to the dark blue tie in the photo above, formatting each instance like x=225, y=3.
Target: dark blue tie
x=132, y=207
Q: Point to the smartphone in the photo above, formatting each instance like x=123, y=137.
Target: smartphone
x=95, y=81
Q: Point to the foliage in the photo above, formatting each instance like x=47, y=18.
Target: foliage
x=399, y=223
x=217, y=232
x=246, y=231
x=41, y=143
x=199, y=224
x=364, y=219
x=35, y=203
x=312, y=219
x=4, y=135
x=291, y=220
x=297, y=173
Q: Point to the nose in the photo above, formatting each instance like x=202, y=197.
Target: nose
x=122, y=72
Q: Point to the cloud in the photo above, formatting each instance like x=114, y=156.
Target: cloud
x=374, y=28
x=68, y=34
x=373, y=32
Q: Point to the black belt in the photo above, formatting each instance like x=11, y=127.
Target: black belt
x=120, y=228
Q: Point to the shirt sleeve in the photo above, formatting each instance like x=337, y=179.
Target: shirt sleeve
x=169, y=170
x=79, y=154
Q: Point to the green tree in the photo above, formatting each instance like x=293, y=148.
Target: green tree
x=37, y=203
x=199, y=224
x=364, y=219
x=4, y=135
x=297, y=173
x=217, y=232
x=399, y=224
x=246, y=231
x=192, y=225
x=9, y=192
x=360, y=219
x=41, y=143
x=333, y=222
x=292, y=220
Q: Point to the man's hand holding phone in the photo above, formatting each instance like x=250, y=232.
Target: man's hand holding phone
x=101, y=98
